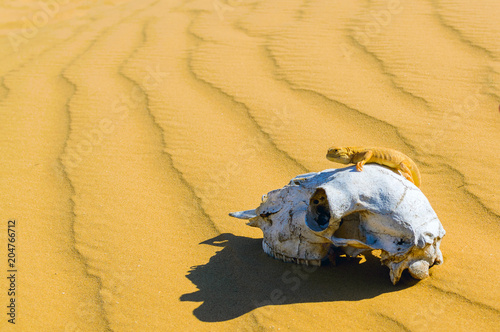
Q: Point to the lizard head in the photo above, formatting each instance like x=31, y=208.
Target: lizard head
x=339, y=155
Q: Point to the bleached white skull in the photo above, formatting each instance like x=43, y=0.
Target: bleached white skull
x=357, y=211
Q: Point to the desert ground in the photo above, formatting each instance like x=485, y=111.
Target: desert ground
x=130, y=129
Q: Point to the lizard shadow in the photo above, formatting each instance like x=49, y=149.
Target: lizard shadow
x=241, y=277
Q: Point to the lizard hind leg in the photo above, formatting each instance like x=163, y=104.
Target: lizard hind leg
x=405, y=171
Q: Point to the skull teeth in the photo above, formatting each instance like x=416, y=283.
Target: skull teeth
x=268, y=250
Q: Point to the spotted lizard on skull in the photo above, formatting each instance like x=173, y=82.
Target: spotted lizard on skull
x=383, y=156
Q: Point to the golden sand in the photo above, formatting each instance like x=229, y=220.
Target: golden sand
x=129, y=130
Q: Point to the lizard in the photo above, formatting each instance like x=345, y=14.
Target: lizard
x=383, y=156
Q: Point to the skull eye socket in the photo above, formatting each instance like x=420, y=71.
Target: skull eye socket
x=318, y=216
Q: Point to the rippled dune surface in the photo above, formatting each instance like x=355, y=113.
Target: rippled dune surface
x=129, y=130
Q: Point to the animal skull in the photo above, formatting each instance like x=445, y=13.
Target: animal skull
x=357, y=211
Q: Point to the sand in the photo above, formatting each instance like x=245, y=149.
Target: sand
x=129, y=130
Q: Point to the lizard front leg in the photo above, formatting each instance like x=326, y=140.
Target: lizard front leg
x=364, y=159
